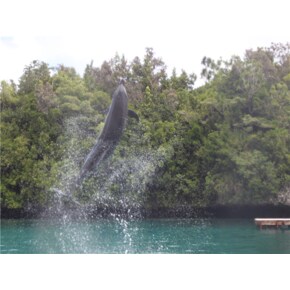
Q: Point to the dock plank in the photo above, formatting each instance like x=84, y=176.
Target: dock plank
x=276, y=222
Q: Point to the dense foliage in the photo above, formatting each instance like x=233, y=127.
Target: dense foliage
x=226, y=142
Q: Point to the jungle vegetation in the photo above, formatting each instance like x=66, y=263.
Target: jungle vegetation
x=225, y=142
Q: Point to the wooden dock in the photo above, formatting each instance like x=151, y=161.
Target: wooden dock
x=270, y=222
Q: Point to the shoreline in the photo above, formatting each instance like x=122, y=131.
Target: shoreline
x=217, y=211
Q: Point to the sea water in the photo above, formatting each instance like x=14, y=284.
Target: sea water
x=140, y=236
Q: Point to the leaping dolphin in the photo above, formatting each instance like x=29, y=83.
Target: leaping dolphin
x=110, y=136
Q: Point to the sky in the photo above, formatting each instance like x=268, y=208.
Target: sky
x=181, y=32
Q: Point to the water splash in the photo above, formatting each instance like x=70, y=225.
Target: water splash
x=116, y=190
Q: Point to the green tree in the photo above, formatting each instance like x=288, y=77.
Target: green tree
x=33, y=74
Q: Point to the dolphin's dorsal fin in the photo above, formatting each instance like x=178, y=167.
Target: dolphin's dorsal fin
x=132, y=114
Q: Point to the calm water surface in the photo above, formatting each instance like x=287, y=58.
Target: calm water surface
x=141, y=236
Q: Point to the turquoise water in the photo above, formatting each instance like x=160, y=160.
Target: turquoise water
x=180, y=236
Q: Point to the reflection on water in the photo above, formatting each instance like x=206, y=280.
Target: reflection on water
x=119, y=235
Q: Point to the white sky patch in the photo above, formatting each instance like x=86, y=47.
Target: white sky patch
x=181, y=32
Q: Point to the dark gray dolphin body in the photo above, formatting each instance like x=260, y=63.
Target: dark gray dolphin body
x=111, y=134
